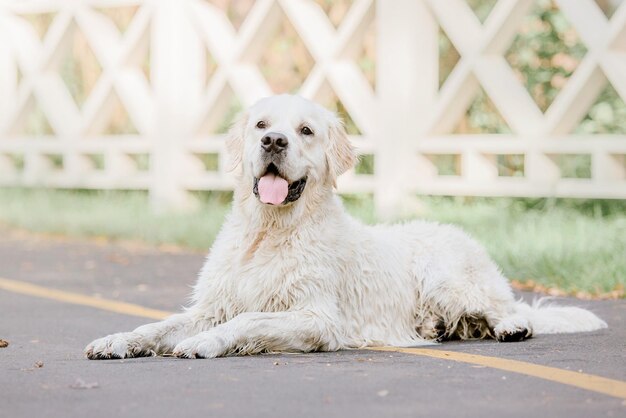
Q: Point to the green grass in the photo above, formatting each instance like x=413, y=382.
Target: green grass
x=569, y=244
x=116, y=215
x=555, y=244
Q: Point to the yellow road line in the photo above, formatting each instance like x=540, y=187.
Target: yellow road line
x=589, y=382
x=78, y=299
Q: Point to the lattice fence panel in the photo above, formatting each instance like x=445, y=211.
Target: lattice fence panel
x=162, y=79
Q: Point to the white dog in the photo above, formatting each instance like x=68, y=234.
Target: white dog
x=291, y=271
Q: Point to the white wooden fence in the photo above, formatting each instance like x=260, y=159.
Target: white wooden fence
x=404, y=121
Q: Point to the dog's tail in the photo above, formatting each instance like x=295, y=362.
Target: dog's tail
x=547, y=319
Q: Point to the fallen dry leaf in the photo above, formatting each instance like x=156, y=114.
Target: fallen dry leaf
x=533, y=286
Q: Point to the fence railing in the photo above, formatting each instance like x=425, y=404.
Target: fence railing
x=177, y=68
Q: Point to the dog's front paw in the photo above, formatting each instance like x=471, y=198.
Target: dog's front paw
x=114, y=346
x=207, y=344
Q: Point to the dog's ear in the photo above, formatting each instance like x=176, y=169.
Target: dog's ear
x=340, y=154
x=234, y=141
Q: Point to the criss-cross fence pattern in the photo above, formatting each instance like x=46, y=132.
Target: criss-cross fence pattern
x=157, y=69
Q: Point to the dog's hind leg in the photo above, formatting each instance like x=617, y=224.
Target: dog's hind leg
x=432, y=328
x=498, y=321
x=498, y=318
x=512, y=328
x=505, y=321
x=473, y=309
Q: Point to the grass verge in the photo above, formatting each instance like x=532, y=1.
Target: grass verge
x=559, y=246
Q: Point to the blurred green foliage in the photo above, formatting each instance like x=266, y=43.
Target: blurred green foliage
x=365, y=165
x=544, y=54
x=607, y=116
x=209, y=161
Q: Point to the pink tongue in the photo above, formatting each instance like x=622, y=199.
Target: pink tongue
x=273, y=189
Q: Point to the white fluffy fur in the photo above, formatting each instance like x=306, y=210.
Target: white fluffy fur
x=305, y=276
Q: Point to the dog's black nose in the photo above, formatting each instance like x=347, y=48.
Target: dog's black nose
x=274, y=142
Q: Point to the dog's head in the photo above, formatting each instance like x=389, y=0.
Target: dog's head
x=286, y=147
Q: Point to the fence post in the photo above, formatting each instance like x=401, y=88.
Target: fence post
x=177, y=84
x=8, y=74
x=406, y=83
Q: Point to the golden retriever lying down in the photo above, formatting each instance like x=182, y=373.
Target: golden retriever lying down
x=291, y=271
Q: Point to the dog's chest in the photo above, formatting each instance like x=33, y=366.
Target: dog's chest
x=271, y=274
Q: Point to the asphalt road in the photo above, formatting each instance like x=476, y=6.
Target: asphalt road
x=43, y=372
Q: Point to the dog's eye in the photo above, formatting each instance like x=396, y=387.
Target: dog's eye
x=261, y=124
x=306, y=131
